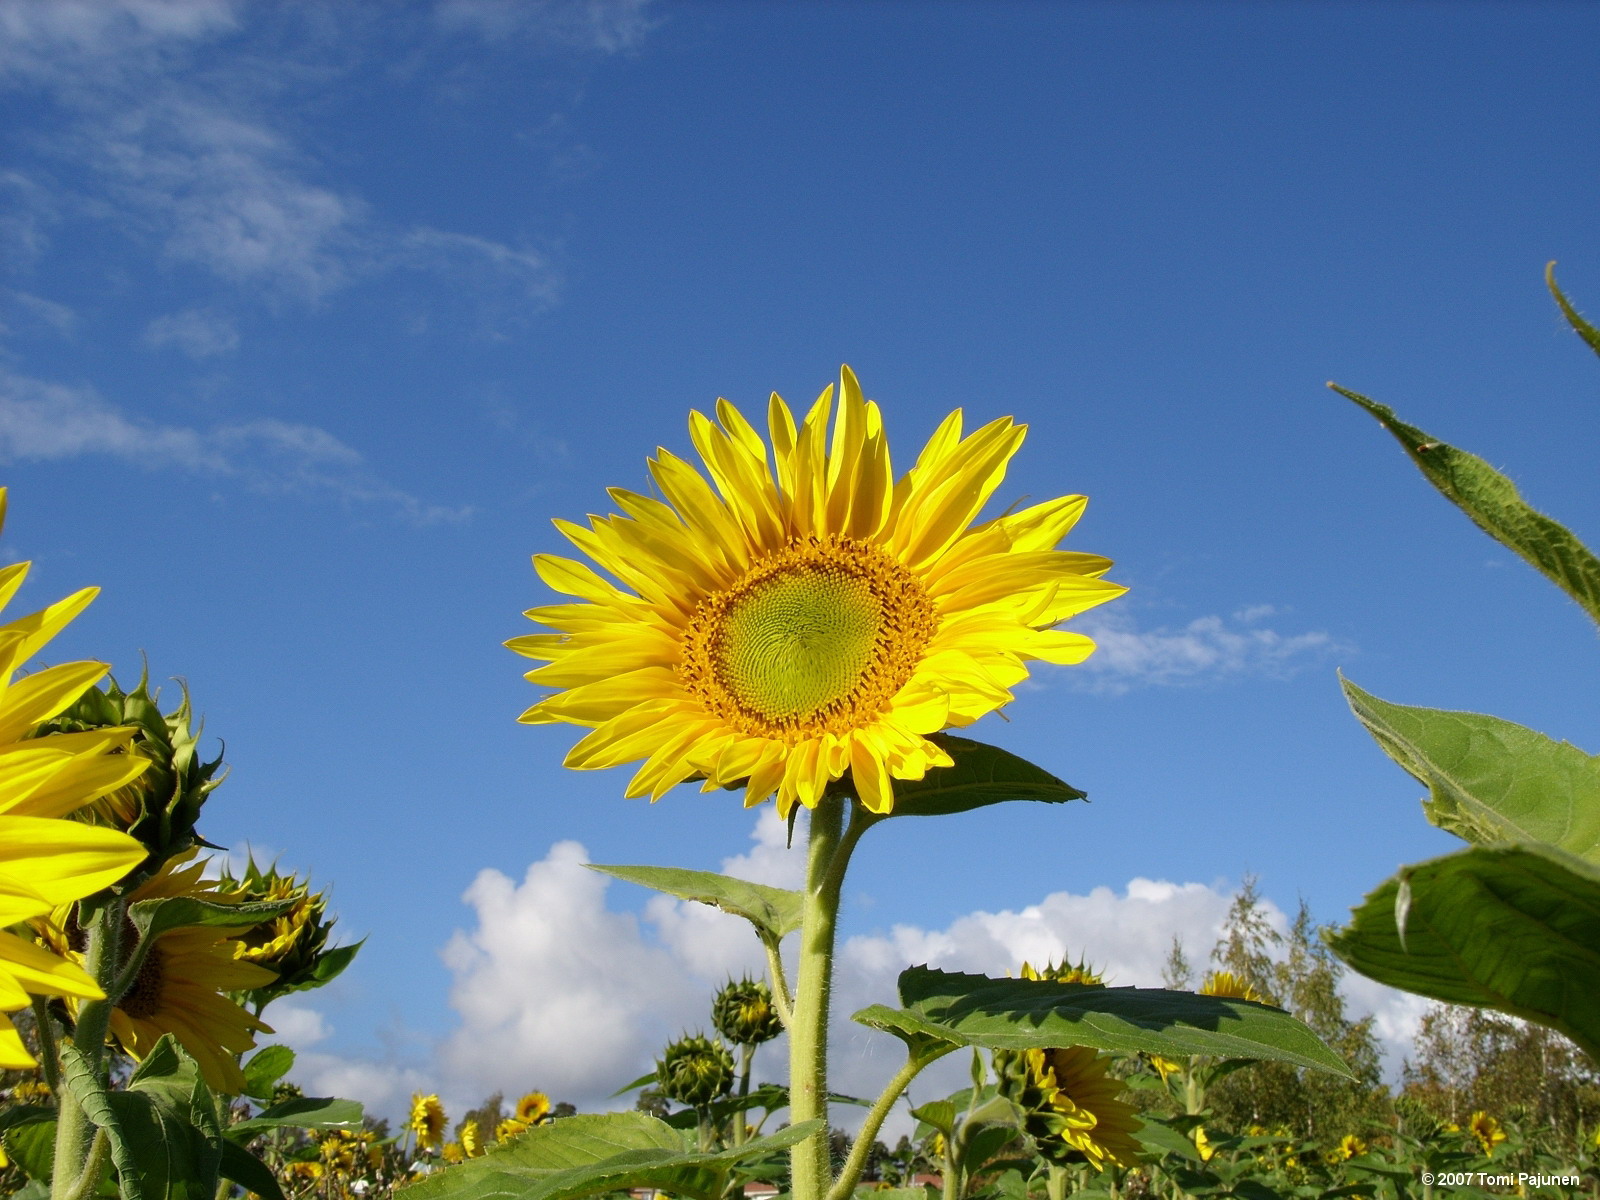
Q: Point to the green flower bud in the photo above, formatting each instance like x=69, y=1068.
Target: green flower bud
x=743, y=1013
x=695, y=1071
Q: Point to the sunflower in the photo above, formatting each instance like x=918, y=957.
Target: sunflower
x=533, y=1108
x=46, y=862
x=179, y=984
x=1081, y=1108
x=427, y=1120
x=808, y=616
x=1487, y=1131
x=1227, y=984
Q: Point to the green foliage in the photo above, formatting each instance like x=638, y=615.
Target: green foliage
x=588, y=1155
x=1022, y=1014
x=980, y=775
x=773, y=911
x=1512, y=922
x=1512, y=927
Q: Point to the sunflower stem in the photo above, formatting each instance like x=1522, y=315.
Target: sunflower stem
x=808, y=1030
x=853, y=1166
x=781, y=1000
x=75, y=1134
x=46, y=1026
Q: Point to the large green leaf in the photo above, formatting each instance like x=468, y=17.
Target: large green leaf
x=1025, y=1014
x=1512, y=927
x=249, y=1172
x=1491, y=500
x=586, y=1155
x=981, y=775
x=1491, y=780
x=773, y=911
x=28, y=1134
x=1581, y=327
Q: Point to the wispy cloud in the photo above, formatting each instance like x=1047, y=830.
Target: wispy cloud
x=614, y=987
x=204, y=166
x=604, y=25
x=40, y=420
x=1203, y=650
x=198, y=332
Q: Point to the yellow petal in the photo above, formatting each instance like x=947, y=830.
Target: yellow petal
x=63, y=860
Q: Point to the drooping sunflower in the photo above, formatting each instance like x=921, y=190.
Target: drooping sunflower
x=1080, y=1108
x=809, y=614
x=179, y=987
x=427, y=1120
x=45, y=861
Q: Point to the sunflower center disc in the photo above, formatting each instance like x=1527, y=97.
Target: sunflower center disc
x=817, y=637
x=797, y=642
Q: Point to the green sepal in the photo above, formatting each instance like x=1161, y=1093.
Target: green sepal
x=1511, y=927
x=264, y=1068
x=981, y=775
x=1579, y=326
x=1491, y=500
x=165, y=913
x=1490, y=780
x=301, y=1112
x=773, y=911
x=249, y=1172
x=1029, y=1014
x=591, y=1154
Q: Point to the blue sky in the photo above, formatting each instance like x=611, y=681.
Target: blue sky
x=314, y=315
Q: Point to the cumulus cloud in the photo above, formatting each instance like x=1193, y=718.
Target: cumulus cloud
x=555, y=988
x=1205, y=649
x=41, y=420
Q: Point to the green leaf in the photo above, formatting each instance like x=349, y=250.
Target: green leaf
x=981, y=775
x=301, y=1112
x=1491, y=500
x=1025, y=1014
x=155, y=917
x=265, y=1067
x=1511, y=927
x=939, y=1114
x=773, y=911
x=1491, y=780
x=249, y=1172
x=29, y=1137
x=586, y=1155
x=1581, y=327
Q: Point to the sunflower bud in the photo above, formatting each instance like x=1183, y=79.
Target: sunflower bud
x=160, y=807
x=743, y=1013
x=294, y=943
x=695, y=1071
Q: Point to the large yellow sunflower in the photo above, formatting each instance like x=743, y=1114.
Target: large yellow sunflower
x=810, y=614
x=45, y=861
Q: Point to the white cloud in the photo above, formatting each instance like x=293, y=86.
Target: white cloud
x=48, y=421
x=36, y=311
x=604, y=25
x=198, y=332
x=1205, y=649
x=555, y=990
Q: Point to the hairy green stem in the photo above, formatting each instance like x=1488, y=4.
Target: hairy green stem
x=808, y=1029
x=780, y=982
x=76, y=1138
x=853, y=1166
x=47, y=1044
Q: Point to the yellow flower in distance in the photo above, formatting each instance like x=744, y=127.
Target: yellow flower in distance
x=1487, y=1131
x=427, y=1120
x=1202, y=1144
x=533, y=1108
x=810, y=614
x=46, y=862
x=1226, y=983
x=1350, y=1146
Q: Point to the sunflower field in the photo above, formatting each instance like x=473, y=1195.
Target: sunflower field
x=793, y=621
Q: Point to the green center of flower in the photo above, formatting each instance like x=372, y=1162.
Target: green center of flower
x=799, y=641
x=817, y=637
